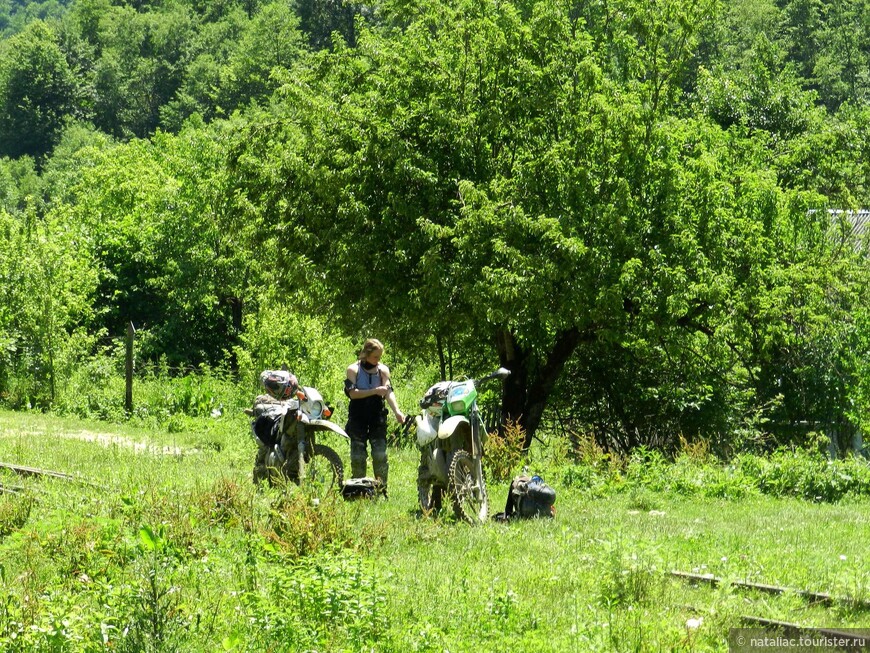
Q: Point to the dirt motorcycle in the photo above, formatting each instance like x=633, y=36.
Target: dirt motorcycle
x=285, y=422
x=451, y=437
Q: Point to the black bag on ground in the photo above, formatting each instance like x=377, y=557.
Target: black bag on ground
x=529, y=497
x=360, y=488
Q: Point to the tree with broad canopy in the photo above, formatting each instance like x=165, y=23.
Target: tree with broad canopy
x=521, y=180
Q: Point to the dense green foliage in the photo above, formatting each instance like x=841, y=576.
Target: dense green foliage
x=624, y=203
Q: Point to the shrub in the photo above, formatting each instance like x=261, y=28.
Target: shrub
x=807, y=475
x=14, y=512
x=312, y=603
x=504, y=452
x=785, y=473
x=91, y=379
x=299, y=527
x=596, y=480
x=162, y=392
x=586, y=450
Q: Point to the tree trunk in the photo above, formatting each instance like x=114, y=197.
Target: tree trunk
x=442, y=364
x=527, y=391
x=515, y=388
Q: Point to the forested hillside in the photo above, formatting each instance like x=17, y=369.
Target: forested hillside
x=627, y=203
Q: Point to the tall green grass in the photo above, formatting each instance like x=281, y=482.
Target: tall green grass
x=150, y=551
x=170, y=399
x=784, y=473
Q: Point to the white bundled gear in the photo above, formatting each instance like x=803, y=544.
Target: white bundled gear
x=432, y=404
x=435, y=395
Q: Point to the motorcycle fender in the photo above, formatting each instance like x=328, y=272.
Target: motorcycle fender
x=451, y=425
x=326, y=425
x=425, y=431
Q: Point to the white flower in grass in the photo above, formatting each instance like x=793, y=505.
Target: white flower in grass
x=724, y=558
x=694, y=624
x=842, y=557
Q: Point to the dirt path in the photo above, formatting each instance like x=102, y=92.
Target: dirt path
x=106, y=440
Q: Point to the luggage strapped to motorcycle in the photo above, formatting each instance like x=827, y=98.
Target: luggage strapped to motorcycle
x=435, y=394
x=269, y=414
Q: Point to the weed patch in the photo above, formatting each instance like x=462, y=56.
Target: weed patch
x=315, y=603
x=298, y=527
x=14, y=512
x=785, y=473
x=807, y=475
x=227, y=503
x=504, y=453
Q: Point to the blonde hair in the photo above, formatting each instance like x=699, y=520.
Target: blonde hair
x=370, y=345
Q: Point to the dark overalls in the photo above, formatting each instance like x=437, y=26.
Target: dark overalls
x=367, y=422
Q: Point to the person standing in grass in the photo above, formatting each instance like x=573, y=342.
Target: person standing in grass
x=368, y=387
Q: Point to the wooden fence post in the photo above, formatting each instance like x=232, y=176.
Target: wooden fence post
x=128, y=397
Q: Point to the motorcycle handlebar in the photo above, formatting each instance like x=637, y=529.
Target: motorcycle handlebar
x=443, y=390
x=500, y=373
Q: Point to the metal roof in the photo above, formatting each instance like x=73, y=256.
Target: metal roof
x=860, y=219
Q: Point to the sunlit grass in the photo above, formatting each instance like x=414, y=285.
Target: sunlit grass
x=596, y=578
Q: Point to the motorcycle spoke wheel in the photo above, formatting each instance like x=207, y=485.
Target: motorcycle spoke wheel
x=324, y=472
x=469, y=496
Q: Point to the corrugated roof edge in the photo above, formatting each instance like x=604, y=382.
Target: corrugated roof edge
x=859, y=219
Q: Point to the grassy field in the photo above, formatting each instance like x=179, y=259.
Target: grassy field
x=164, y=544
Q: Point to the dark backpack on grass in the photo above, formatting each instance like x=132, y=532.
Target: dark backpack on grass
x=360, y=488
x=530, y=497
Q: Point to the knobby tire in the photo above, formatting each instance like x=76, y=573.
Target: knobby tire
x=467, y=507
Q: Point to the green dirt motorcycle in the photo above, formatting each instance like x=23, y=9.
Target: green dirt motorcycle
x=451, y=436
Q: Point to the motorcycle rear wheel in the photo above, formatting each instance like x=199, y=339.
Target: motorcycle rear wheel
x=324, y=471
x=470, y=502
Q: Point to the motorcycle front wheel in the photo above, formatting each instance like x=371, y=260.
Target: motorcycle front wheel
x=431, y=498
x=324, y=471
x=262, y=469
x=468, y=492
